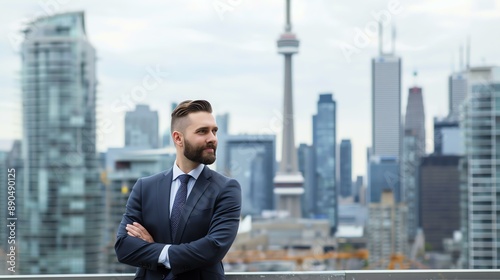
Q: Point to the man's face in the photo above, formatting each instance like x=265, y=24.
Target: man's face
x=200, y=140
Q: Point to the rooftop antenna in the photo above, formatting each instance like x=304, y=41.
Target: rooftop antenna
x=288, y=26
x=468, y=52
x=452, y=63
x=380, y=36
x=461, y=58
x=394, y=39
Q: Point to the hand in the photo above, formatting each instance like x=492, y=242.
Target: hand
x=137, y=230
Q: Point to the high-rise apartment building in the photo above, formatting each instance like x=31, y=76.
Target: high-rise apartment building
x=324, y=142
x=387, y=233
x=60, y=201
x=481, y=168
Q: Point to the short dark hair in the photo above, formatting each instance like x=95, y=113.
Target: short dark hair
x=185, y=108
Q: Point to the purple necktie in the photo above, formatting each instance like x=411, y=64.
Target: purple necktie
x=180, y=200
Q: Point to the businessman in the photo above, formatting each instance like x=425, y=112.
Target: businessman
x=179, y=224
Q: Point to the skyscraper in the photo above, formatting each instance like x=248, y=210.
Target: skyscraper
x=13, y=164
x=386, y=105
x=386, y=101
x=288, y=183
x=415, y=118
x=383, y=174
x=307, y=166
x=440, y=205
x=250, y=159
x=410, y=162
x=457, y=92
x=61, y=205
x=141, y=128
x=481, y=119
x=448, y=136
x=324, y=142
x=357, y=189
x=345, y=168
x=413, y=150
x=384, y=160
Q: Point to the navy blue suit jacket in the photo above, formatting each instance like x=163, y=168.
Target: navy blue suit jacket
x=207, y=228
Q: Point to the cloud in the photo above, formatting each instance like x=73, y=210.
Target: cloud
x=233, y=60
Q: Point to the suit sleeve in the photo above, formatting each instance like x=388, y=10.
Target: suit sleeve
x=213, y=247
x=131, y=250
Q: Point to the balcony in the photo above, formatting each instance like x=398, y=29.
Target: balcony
x=320, y=275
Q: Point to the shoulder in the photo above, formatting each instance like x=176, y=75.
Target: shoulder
x=219, y=179
x=154, y=177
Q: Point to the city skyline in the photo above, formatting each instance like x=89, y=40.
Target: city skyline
x=243, y=62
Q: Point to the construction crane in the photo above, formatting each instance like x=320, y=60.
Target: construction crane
x=399, y=261
x=299, y=257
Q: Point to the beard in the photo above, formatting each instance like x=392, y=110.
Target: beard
x=196, y=153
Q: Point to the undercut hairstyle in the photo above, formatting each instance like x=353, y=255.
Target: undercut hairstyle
x=185, y=108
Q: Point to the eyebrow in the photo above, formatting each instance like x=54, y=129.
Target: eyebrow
x=207, y=128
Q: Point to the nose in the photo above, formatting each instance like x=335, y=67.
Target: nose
x=212, y=137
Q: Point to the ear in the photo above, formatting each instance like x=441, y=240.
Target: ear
x=178, y=138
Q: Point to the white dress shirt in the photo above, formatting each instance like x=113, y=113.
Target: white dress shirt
x=164, y=258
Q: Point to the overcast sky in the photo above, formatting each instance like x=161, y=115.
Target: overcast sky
x=225, y=51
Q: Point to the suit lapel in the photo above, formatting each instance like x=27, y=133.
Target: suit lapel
x=198, y=189
x=163, y=200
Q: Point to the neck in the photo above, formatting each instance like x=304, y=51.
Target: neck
x=185, y=164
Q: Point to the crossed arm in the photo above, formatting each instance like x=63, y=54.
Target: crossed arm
x=136, y=246
x=137, y=230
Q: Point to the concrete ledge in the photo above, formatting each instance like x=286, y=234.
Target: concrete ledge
x=492, y=274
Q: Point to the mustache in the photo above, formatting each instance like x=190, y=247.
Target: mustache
x=211, y=146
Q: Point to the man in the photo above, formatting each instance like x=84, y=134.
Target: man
x=169, y=236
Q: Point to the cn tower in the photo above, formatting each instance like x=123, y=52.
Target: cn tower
x=288, y=182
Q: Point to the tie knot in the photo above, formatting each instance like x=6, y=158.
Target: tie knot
x=184, y=178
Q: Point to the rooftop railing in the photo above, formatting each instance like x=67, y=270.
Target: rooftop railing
x=320, y=275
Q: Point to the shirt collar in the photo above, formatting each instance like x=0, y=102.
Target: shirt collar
x=195, y=173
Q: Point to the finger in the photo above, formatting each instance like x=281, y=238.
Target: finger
x=133, y=230
x=139, y=226
x=132, y=227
